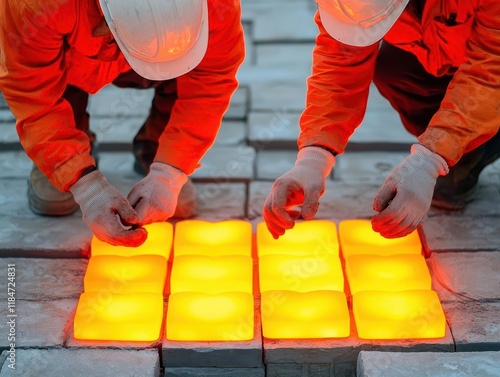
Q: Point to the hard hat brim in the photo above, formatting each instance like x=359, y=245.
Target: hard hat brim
x=357, y=35
x=160, y=71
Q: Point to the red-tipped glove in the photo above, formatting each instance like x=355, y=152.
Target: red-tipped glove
x=302, y=186
x=155, y=196
x=107, y=213
x=406, y=194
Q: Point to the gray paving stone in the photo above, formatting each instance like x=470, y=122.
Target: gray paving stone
x=257, y=196
x=238, y=355
x=238, y=106
x=291, y=22
x=347, y=201
x=468, y=275
x=14, y=165
x=35, y=237
x=272, y=164
x=226, y=164
x=38, y=323
x=231, y=133
x=220, y=201
x=475, y=325
x=9, y=133
x=45, y=279
x=6, y=116
x=462, y=233
x=339, y=202
x=381, y=129
x=251, y=74
x=276, y=129
x=345, y=370
x=313, y=351
x=365, y=167
x=84, y=363
x=300, y=370
x=3, y=103
x=278, y=97
x=115, y=130
x=215, y=372
x=428, y=364
x=120, y=103
x=281, y=54
x=14, y=198
x=123, y=103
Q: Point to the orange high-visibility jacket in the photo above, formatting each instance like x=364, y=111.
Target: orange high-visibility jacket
x=469, y=114
x=48, y=44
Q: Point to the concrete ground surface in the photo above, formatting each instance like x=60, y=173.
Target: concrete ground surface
x=256, y=144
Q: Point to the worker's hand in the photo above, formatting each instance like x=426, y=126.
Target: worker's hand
x=301, y=186
x=108, y=214
x=406, y=194
x=155, y=196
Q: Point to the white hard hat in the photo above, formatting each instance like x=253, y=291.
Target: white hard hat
x=359, y=22
x=161, y=39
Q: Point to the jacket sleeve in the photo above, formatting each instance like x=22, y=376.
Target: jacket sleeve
x=32, y=80
x=469, y=114
x=204, y=93
x=337, y=92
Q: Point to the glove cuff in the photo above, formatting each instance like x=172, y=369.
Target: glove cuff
x=89, y=186
x=436, y=160
x=316, y=158
x=175, y=176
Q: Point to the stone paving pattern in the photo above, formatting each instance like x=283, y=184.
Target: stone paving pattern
x=256, y=144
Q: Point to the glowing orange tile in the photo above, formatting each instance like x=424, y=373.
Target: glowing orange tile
x=315, y=237
x=358, y=237
x=400, y=272
x=398, y=315
x=159, y=242
x=115, y=274
x=295, y=315
x=300, y=273
x=196, y=273
x=210, y=317
x=120, y=317
x=198, y=237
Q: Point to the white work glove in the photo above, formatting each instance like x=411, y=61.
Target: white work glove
x=302, y=186
x=108, y=214
x=406, y=194
x=155, y=196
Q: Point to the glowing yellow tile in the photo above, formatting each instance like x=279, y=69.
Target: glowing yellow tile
x=115, y=274
x=315, y=237
x=159, y=242
x=400, y=272
x=358, y=237
x=121, y=317
x=196, y=273
x=398, y=315
x=294, y=315
x=198, y=237
x=300, y=273
x=210, y=317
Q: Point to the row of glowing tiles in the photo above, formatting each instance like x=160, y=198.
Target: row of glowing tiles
x=300, y=276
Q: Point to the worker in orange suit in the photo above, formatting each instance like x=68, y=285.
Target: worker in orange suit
x=54, y=53
x=438, y=63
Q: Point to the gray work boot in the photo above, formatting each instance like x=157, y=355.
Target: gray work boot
x=45, y=199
